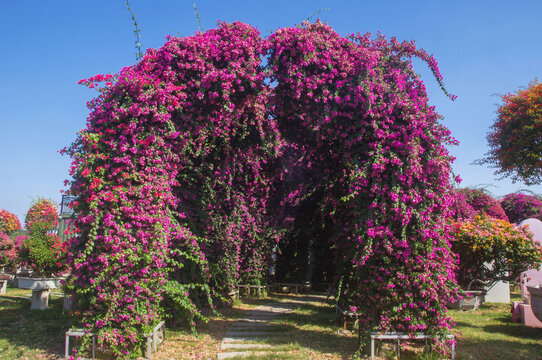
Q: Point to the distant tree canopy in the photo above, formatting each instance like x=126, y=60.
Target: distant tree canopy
x=472, y=201
x=515, y=138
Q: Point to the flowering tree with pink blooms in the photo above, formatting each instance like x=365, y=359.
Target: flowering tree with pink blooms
x=514, y=138
x=519, y=207
x=480, y=202
x=8, y=222
x=213, y=150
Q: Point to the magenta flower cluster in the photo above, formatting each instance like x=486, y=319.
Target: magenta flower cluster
x=197, y=153
x=519, y=207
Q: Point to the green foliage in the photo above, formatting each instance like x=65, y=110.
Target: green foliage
x=137, y=32
x=198, y=18
x=187, y=291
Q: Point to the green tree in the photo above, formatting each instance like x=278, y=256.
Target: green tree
x=515, y=138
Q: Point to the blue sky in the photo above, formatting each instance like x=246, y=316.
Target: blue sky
x=483, y=48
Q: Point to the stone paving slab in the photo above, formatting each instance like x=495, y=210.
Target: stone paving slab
x=248, y=332
x=227, y=346
x=229, y=355
x=264, y=314
x=252, y=321
x=240, y=339
x=254, y=327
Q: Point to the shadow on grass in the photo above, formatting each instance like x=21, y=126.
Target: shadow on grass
x=25, y=332
x=498, y=349
x=515, y=329
x=489, y=333
x=464, y=324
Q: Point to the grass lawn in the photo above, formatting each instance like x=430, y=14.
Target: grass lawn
x=309, y=332
x=489, y=333
x=30, y=334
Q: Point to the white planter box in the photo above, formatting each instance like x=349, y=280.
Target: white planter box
x=37, y=283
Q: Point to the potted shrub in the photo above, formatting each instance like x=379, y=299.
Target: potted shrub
x=9, y=225
x=43, y=252
x=8, y=253
x=492, y=250
x=8, y=259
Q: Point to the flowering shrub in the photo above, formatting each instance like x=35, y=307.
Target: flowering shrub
x=482, y=202
x=514, y=138
x=8, y=252
x=194, y=160
x=519, y=207
x=490, y=250
x=42, y=210
x=8, y=222
x=43, y=251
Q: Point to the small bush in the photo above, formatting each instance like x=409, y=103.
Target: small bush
x=43, y=250
x=490, y=250
x=45, y=253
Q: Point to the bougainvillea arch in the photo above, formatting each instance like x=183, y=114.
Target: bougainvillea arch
x=212, y=151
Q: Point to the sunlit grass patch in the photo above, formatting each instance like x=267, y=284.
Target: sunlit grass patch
x=489, y=333
x=31, y=334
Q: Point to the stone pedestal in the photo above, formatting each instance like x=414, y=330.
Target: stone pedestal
x=535, y=300
x=40, y=299
x=4, y=278
x=40, y=290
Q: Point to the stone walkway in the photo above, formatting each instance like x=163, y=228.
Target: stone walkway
x=247, y=336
